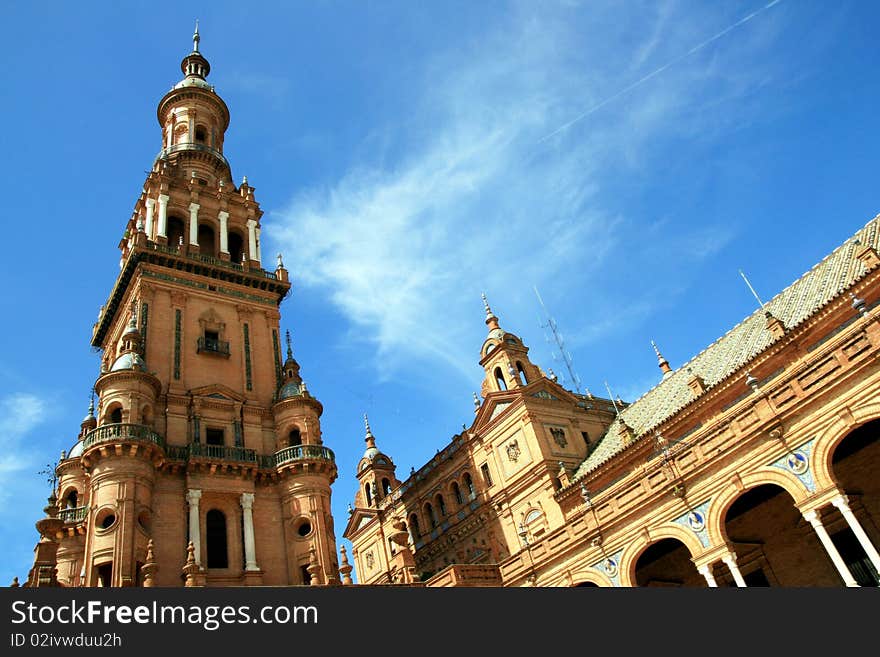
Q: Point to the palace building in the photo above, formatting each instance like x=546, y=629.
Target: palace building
x=753, y=464
x=202, y=463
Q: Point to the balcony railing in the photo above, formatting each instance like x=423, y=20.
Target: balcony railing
x=303, y=453
x=124, y=432
x=223, y=452
x=212, y=346
x=191, y=146
x=77, y=514
x=173, y=249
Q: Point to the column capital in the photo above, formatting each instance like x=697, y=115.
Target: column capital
x=251, y=223
x=812, y=516
x=247, y=501
x=163, y=199
x=841, y=503
x=223, y=215
x=194, y=207
x=150, y=202
x=193, y=495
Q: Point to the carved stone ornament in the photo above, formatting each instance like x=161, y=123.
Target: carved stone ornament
x=559, y=436
x=513, y=451
x=370, y=560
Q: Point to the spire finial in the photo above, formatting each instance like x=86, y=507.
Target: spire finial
x=92, y=403
x=367, y=426
x=662, y=362
x=280, y=262
x=491, y=319
x=757, y=298
x=476, y=403
x=196, y=37
x=289, y=350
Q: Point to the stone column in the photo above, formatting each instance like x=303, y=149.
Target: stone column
x=151, y=204
x=194, y=224
x=257, y=232
x=223, y=216
x=706, y=571
x=250, y=557
x=813, y=518
x=252, y=239
x=854, y=524
x=163, y=216
x=730, y=561
x=193, y=495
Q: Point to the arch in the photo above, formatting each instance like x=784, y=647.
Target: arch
x=499, y=379
x=207, y=240
x=113, y=415
x=630, y=557
x=414, y=525
x=522, y=373
x=235, y=245
x=294, y=437
x=429, y=512
x=369, y=494
x=201, y=136
x=828, y=441
x=70, y=498
x=216, y=539
x=592, y=577
x=386, y=486
x=456, y=493
x=469, y=485
x=441, y=505
x=717, y=511
x=175, y=230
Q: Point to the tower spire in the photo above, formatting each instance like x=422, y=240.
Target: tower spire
x=661, y=361
x=196, y=37
x=370, y=439
x=491, y=319
x=289, y=350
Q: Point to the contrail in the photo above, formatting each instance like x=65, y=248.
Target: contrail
x=659, y=70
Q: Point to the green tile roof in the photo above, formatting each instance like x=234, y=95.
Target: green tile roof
x=795, y=304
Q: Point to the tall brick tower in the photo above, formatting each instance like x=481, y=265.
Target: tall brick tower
x=201, y=434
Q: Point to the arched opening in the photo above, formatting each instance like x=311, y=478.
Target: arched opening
x=522, y=373
x=414, y=525
x=469, y=485
x=201, y=137
x=175, y=231
x=369, y=494
x=294, y=438
x=386, y=487
x=215, y=535
x=855, y=462
x=441, y=505
x=456, y=493
x=115, y=416
x=207, y=242
x=579, y=584
x=236, y=247
x=104, y=574
x=667, y=563
x=499, y=379
x=429, y=512
x=773, y=543
x=71, y=499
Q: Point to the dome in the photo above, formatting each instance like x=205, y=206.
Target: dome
x=371, y=453
x=129, y=361
x=193, y=81
x=76, y=451
x=288, y=390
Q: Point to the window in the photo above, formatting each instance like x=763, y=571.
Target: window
x=306, y=575
x=214, y=437
x=206, y=240
x=116, y=415
x=456, y=492
x=386, y=487
x=368, y=494
x=586, y=438
x=236, y=247
x=499, y=379
x=469, y=484
x=175, y=231
x=441, y=505
x=429, y=511
x=212, y=344
x=522, y=373
x=486, y=476
x=105, y=574
x=71, y=499
x=414, y=525
x=215, y=530
x=294, y=438
x=201, y=135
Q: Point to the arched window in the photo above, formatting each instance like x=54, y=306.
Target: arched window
x=116, y=415
x=522, y=373
x=201, y=136
x=441, y=505
x=369, y=494
x=414, y=525
x=71, y=499
x=207, y=243
x=386, y=487
x=294, y=438
x=429, y=511
x=499, y=379
x=174, y=231
x=236, y=247
x=469, y=484
x=456, y=492
x=215, y=534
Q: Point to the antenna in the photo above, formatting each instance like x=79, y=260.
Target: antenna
x=757, y=298
x=560, y=343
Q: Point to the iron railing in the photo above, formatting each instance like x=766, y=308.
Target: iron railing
x=213, y=346
x=74, y=515
x=223, y=452
x=119, y=431
x=175, y=250
x=303, y=453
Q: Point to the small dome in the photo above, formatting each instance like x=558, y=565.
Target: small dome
x=496, y=334
x=193, y=81
x=288, y=390
x=76, y=451
x=371, y=453
x=129, y=361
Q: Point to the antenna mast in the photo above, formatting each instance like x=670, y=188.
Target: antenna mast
x=560, y=343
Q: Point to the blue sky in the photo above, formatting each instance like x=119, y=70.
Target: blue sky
x=627, y=158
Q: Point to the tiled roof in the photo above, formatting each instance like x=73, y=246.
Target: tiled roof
x=796, y=303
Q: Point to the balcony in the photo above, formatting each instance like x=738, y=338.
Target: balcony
x=213, y=346
x=122, y=432
x=221, y=452
x=301, y=453
x=74, y=515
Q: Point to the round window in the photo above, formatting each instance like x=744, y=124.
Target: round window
x=106, y=518
x=304, y=529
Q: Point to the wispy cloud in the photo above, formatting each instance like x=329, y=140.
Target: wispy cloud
x=405, y=245
x=20, y=414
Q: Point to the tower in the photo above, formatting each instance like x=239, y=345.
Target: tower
x=201, y=435
x=505, y=358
